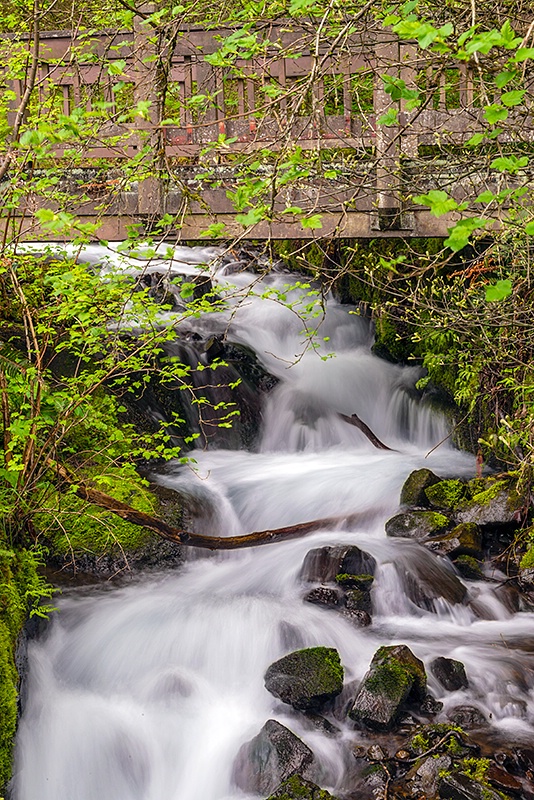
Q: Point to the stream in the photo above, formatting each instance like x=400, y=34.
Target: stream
x=147, y=691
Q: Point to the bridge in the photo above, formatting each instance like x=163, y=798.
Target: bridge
x=207, y=127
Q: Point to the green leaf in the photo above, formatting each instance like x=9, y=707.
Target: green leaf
x=486, y=197
x=502, y=78
x=495, y=113
x=510, y=164
x=117, y=67
x=498, y=291
x=477, y=138
x=439, y=202
x=522, y=54
x=390, y=118
x=529, y=228
x=292, y=210
x=252, y=217
x=514, y=98
x=313, y=222
x=460, y=233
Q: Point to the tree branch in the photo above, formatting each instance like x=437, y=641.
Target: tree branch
x=365, y=429
x=184, y=537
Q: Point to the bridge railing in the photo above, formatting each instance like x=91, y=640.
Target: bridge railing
x=261, y=100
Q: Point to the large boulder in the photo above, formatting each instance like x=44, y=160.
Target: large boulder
x=417, y=525
x=306, y=679
x=450, y=673
x=273, y=756
x=413, y=490
x=296, y=788
x=395, y=676
x=323, y=564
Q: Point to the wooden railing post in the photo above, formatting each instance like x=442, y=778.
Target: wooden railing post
x=387, y=138
x=147, y=90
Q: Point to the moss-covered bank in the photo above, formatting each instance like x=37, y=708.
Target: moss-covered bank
x=22, y=590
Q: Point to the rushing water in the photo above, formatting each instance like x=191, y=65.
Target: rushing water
x=147, y=692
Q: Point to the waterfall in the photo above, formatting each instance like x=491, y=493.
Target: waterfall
x=147, y=691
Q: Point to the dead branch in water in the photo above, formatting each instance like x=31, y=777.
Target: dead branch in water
x=126, y=512
x=365, y=429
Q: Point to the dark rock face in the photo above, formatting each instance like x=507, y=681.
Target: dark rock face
x=460, y=787
x=469, y=568
x=413, y=491
x=417, y=525
x=273, y=756
x=395, y=675
x=306, y=679
x=296, y=788
x=323, y=564
x=467, y=717
x=426, y=580
x=324, y=596
x=450, y=673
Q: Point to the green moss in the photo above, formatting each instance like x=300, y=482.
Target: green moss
x=446, y=494
x=296, y=788
x=476, y=769
x=390, y=679
x=490, y=491
x=75, y=527
x=21, y=591
x=362, y=582
x=527, y=561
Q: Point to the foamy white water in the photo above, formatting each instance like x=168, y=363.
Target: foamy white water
x=147, y=692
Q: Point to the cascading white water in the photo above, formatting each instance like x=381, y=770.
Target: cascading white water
x=146, y=692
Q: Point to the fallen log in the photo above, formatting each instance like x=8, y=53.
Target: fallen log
x=365, y=429
x=188, y=538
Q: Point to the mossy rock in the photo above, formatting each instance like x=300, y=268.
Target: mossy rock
x=464, y=539
x=413, y=490
x=492, y=501
x=417, y=525
x=362, y=582
x=395, y=676
x=306, y=679
x=297, y=788
x=446, y=494
x=469, y=568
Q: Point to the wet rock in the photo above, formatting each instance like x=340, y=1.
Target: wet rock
x=322, y=724
x=431, y=706
x=362, y=582
x=465, y=539
x=323, y=596
x=356, y=600
x=450, y=673
x=467, y=717
x=426, y=580
x=493, y=502
x=413, y=491
x=423, y=778
x=446, y=494
x=502, y=780
x=273, y=756
x=324, y=563
x=376, y=753
x=296, y=788
x=469, y=568
x=395, y=676
x=460, y=787
x=359, y=618
x=306, y=679
x=417, y=525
